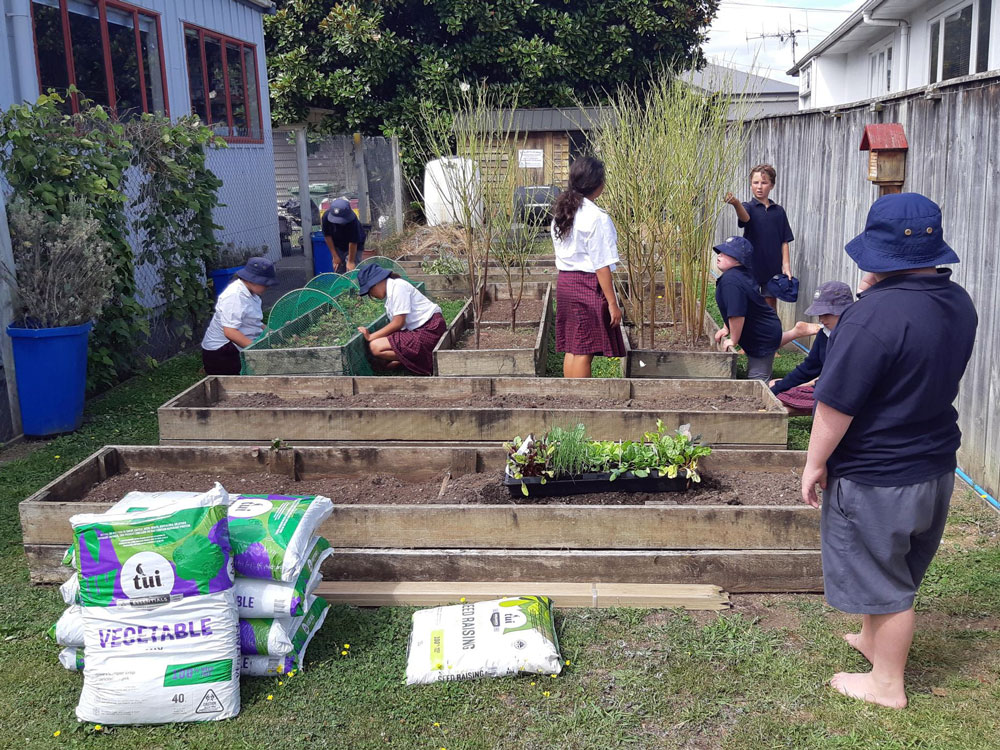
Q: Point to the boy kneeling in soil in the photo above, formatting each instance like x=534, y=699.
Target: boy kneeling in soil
x=748, y=320
x=415, y=323
x=885, y=434
x=795, y=390
x=238, y=318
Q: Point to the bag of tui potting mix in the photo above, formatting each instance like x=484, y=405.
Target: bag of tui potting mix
x=282, y=636
x=271, y=535
x=161, y=630
x=71, y=658
x=256, y=597
x=483, y=639
x=68, y=631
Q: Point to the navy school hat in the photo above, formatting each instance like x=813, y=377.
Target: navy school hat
x=258, y=271
x=370, y=275
x=784, y=288
x=831, y=298
x=903, y=231
x=738, y=248
x=340, y=212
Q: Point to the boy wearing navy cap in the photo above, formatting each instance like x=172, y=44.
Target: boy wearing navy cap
x=344, y=235
x=238, y=318
x=885, y=434
x=747, y=319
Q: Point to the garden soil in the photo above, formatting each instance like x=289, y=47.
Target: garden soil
x=499, y=337
x=529, y=310
x=719, y=488
x=673, y=402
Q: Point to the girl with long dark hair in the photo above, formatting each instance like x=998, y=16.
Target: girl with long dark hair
x=588, y=318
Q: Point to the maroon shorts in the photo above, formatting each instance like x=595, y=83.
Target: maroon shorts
x=799, y=397
x=415, y=349
x=583, y=320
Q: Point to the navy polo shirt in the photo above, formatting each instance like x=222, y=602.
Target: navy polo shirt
x=344, y=234
x=894, y=363
x=809, y=368
x=738, y=296
x=767, y=229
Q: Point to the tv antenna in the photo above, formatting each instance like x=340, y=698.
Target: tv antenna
x=783, y=36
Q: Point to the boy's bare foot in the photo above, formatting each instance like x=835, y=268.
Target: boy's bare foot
x=855, y=642
x=862, y=686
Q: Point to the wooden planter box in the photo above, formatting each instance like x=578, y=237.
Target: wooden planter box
x=456, y=286
x=663, y=363
x=740, y=548
x=200, y=414
x=451, y=362
x=350, y=358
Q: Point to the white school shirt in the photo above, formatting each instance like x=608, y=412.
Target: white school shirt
x=402, y=298
x=239, y=308
x=591, y=244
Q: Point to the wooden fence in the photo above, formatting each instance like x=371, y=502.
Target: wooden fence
x=954, y=158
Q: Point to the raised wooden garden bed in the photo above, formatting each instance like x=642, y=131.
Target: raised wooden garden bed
x=713, y=362
x=276, y=353
x=324, y=410
x=451, y=360
x=453, y=531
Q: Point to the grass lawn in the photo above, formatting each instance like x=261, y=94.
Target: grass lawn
x=746, y=679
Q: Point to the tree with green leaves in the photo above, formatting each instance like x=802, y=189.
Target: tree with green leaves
x=372, y=63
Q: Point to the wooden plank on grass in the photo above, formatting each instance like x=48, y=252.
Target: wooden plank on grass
x=735, y=571
x=564, y=595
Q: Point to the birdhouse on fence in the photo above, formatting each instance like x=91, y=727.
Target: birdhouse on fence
x=886, y=146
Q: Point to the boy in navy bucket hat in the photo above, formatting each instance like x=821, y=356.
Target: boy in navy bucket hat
x=238, y=318
x=885, y=434
x=748, y=321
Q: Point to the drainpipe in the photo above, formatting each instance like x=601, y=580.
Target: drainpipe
x=904, y=42
x=24, y=49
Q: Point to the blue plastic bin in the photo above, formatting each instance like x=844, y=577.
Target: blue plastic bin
x=322, y=262
x=221, y=278
x=51, y=366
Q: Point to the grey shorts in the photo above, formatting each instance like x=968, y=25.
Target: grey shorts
x=878, y=541
x=760, y=368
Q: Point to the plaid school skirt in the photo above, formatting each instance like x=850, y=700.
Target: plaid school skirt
x=583, y=320
x=415, y=349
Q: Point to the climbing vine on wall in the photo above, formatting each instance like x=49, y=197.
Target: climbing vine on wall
x=147, y=183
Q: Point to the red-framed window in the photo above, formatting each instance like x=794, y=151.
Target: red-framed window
x=222, y=79
x=110, y=50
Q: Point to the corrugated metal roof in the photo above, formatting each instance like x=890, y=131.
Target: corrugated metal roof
x=715, y=77
x=553, y=119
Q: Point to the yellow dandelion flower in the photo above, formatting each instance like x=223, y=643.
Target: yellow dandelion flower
x=437, y=724
x=56, y=733
x=343, y=653
x=532, y=684
x=461, y=600
x=553, y=676
x=347, y=645
x=280, y=683
x=546, y=693
x=292, y=673
x=568, y=662
x=270, y=697
x=98, y=727
x=58, y=456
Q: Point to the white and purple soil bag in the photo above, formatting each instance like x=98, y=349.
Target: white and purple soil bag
x=282, y=636
x=68, y=631
x=271, y=535
x=483, y=639
x=161, y=630
x=71, y=658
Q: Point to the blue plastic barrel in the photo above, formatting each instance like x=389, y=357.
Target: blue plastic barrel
x=51, y=367
x=322, y=262
x=221, y=278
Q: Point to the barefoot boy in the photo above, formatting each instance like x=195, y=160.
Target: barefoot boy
x=885, y=434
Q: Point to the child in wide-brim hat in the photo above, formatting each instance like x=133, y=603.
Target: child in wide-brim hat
x=238, y=318
x=885, y=434
x=748, y=321
x=415, y=322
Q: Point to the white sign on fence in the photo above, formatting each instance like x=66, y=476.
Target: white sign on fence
x=531, y=158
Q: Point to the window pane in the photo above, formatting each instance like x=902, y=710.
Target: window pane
x=234, y=62
x=51, y=47
x=88, y=51
x=983, y=42
x=253, y=105
x=216, y=86
x=888, y=70
x=935, y=37
x=149, y=48
x=957, y=44
x=196, y=80
x=124, y=64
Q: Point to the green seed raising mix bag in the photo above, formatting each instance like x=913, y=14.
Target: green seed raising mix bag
x=271, y=534
x=161, y=630
x=483, y=639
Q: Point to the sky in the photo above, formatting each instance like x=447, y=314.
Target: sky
x=739, y=19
